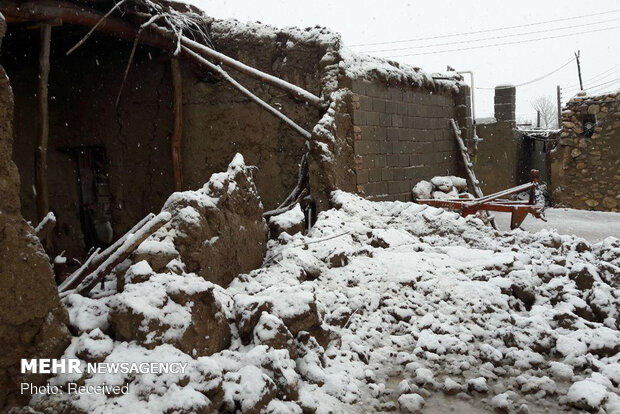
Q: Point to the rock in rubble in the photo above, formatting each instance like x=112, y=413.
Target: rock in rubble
x=442, y=183
x=422, y=190
x=248, y=310
x=271, y=331
x=219, y=230
x=179, y=310
x=586, y=395
x=411, y=403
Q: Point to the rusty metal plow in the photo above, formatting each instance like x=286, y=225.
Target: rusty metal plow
x=496, y=202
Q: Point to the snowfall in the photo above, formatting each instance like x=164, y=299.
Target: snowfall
x=420, y=310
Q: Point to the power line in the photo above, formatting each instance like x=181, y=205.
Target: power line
x=606, y=73
x=486, y=31
x=492, y=38
x=603, y=84
x=505, y=43
x=539, y=78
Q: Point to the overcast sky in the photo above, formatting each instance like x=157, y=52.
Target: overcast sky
x=363, y=21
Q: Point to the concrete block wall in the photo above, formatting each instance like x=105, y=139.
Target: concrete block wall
x=401, y=136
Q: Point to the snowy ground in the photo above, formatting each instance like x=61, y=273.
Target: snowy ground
x=591, y=225
x=419, y=310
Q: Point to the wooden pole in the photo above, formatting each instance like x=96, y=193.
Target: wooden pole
x=155, y=36
x=177, y=133
x=221, y=72
x=579, y=69
x=559, y=98
x=41, y=184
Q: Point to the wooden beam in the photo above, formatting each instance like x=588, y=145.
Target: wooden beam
x=41, y=183
x=177, y=133
x=44, y=10
x=221, y=72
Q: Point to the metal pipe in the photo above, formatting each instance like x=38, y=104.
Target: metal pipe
x=471, y=96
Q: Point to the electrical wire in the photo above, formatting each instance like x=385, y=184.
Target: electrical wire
x=487, y=30
x=492, y=38
x=537, y=79
x=602, y=84
x=506, y=43
x=607, y=73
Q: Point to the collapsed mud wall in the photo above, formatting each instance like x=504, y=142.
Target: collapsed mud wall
x=32, y=320
x=585, y=164
x=135, y=137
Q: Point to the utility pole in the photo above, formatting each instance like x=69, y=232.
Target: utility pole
x=537, y=118
x=559, y=107
x=579, y=69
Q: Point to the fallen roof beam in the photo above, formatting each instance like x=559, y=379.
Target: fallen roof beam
x=221, y=72
x=154, y=36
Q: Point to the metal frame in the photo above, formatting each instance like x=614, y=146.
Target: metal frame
x=495, y=202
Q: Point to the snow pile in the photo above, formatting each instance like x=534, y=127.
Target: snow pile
x=382, y=306
x=362, y=66
x=291, y=221
x=441, y=188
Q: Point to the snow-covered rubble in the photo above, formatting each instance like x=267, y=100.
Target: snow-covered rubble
x=382, y=306
x=441, y=188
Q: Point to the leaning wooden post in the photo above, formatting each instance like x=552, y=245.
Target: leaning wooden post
x=41, y=185
x=177, y=133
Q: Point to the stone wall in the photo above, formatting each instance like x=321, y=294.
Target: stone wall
x=586, y=163
x=401, y=135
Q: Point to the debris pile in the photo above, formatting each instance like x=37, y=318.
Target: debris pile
x=381, y=306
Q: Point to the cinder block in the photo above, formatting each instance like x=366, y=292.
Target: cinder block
x=408, y=122
x=387, y=174
x=414, y=160
x=406, y=135
x=362, y=176
x=401, y=108
x=413, y=109
x=366, y=162
x=403, y=160
x=397, y=121
x=385, y=147
x=393, y=134
x=362, y=147
x=397, y=147
x=378, y=105
x=372, y=118
x=385, y=119
x=359, y=117
x=395, y=94
x=377, y=90
x=392, y=160
x=395, y=187
x=374, y=175
x=365, y=103
x=380, y=133
x=399, y=174
x=377, y=188
x=380, y=160
x=391, y=107
x=368, y=133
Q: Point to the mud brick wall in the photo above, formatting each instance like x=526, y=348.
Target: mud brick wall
x=401, y=136
x=585, y=166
